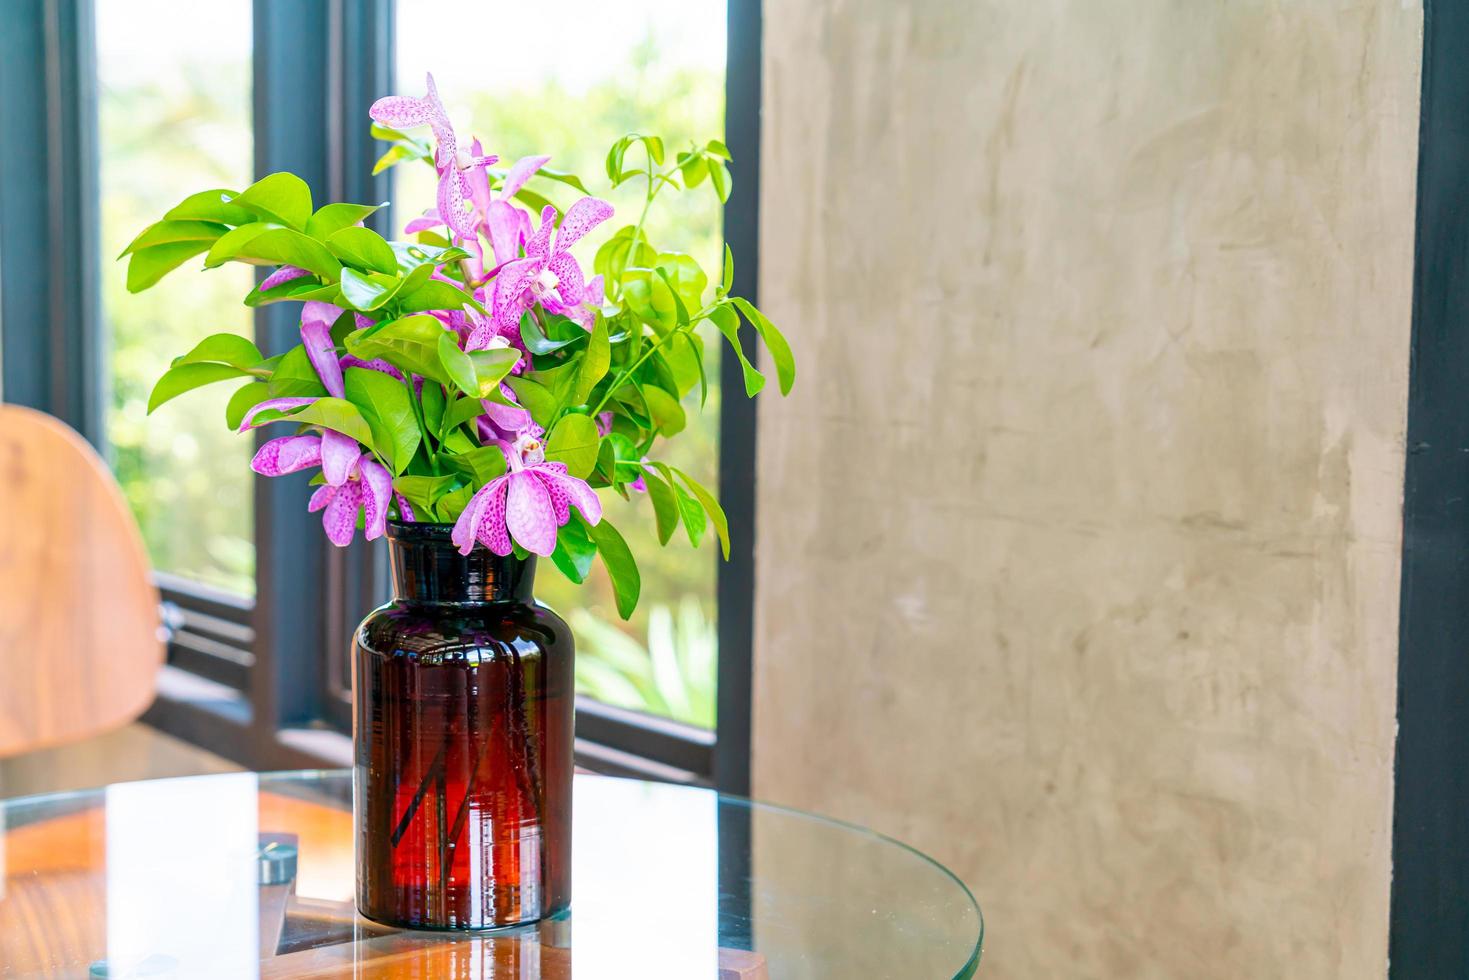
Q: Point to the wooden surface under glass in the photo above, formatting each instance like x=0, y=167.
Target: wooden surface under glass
x=248, y=875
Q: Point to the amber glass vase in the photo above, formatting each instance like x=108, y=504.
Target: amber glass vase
x=464, y=695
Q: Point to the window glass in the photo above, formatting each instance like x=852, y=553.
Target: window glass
x=174, y=117
x=651, y=66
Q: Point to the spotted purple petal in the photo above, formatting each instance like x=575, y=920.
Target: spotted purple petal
x=510, y=285
x=282, y=275
x=323, y=496
x=529, y=515
x=466, y=528
x=317, y=336
x=288, y=454
x=578, y=492
x=540, y=243
x=339, y=453
x=581, y=218
x=405, y=510
x=376, y=364
x=271, y=404
x=430, y=219
x=519, y=173
x=340, y=517
x=378, y=491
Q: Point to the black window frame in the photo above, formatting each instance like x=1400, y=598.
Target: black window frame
x=250, y=679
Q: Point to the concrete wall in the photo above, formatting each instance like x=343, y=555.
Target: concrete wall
x=1079, y=540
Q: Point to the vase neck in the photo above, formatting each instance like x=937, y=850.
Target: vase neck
x=429, y=570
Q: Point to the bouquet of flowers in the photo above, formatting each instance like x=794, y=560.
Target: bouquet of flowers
x=474, y=375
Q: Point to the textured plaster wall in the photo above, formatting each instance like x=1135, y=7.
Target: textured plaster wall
x=1078, y=546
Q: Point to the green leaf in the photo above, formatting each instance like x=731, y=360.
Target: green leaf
x=435, y=294
x=574, y=441
x=667, y=413
x=480, y=465
x=574, y=550
x=694, y=168
x=232, y=242
x=461, y=411
x=411, y=344
x=681, y=355
x=538, y=343
x=665, y=507
x=363, y=248
x=538, y=203
x=384, y=402
x=367, y=291
x=223, y=348
x=728, y=278
x=457, y=366
x=711, y=507
x=718, y=148
x=283, y=246
x=335, y=217
x=209, y=206
x=423, y=492
x=242, y=401
x=563, y=177
x=490, y=368
x=621, y=568
x=533, y=397
x=336, y=414
x=303, y=290
x=281, y=197
x=688, y=506
x=618, y=253
x=719, y=177
x=650, y=299
x=167, y=232
x=775, y=343
x=452, y=504
x=294, y=377
x=187, y=377
x=594, y=363
x=431, y=400
x=680, y=308
x=728, y=323
x=149, y=265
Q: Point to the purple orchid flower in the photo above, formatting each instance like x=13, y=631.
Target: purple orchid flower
x=404, y=112
x=508, y=226
x=528, y=503
x=368, y=489
x=339, y=452
x=367, y=486
x=548, y=274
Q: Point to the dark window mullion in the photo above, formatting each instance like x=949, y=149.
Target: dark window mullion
x=290, y=106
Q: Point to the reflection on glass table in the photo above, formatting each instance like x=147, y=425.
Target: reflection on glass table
x=245, y=875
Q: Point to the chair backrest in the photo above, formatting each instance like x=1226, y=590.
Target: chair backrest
x=80, y=638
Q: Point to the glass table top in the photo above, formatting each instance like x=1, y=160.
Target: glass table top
x=246, y=875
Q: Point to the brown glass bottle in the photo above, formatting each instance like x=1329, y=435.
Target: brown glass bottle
x=464, y=695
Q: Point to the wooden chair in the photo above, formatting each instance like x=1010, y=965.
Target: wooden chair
x=80, y=637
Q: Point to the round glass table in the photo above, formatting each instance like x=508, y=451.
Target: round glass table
x=247, y=875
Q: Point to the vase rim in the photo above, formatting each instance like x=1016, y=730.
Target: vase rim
x=419, y=531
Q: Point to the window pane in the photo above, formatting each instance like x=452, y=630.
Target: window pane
x=174, y=118
x=657, y=66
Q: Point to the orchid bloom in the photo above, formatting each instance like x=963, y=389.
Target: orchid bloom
x=508, y=225
x=405, y=112
x=548, y=274
x=339, y=452
x=528, y=503
x=367, y=486
x=368, y=489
